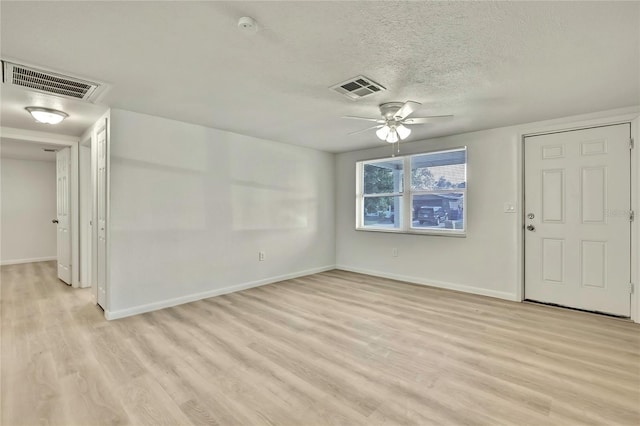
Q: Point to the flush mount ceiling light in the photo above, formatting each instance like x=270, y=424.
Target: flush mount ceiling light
x=47, y=115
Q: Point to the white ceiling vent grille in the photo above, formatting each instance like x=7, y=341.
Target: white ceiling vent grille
x=358, y=87
x=47, y=81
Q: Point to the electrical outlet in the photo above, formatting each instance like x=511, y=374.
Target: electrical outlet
x=261, y=256
x=394, y=252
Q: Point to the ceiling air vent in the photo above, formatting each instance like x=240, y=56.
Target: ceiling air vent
x=47, y=81
x=358, y=87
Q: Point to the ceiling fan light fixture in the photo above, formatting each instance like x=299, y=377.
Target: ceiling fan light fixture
x=393, y=136
x=394, y=115
x=403, y=131
x=46, y=115
x=383, y=132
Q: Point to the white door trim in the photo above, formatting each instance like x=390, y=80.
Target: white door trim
x=37, y=136
x=75, y=215
x=85, y=204
x=562, y=126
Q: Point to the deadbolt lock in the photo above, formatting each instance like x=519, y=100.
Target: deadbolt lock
x=531, y=215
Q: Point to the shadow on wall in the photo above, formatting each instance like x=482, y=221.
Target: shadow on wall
x=261, y=186
x=256, y=207
x=159, y=197
x=273, y=187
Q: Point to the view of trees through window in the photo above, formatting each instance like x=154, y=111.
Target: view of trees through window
x=381, y=180
x=433, y=178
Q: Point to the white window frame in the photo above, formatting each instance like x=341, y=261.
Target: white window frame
x=406, y=198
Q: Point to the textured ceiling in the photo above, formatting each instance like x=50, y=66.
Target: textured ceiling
x=490, y=64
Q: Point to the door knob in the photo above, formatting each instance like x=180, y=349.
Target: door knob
x=54, y=221
x=531, y=228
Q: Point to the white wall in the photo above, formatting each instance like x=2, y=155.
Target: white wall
x=28, y=207
x=489, y=260
x=192, y=206
x=484, y=262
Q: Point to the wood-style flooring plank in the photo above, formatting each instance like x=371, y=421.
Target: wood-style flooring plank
x=336, y=348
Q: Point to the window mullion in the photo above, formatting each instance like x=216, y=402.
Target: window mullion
x=383, y=194
x=437, y=191
x=406, y=184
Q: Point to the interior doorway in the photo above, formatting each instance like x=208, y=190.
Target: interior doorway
x=77, y=184
x=578, y=219
x=93, y=190
x=28, y=201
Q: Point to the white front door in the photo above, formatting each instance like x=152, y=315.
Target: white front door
x=63, y=197
x=101, y=146
x=577, y=219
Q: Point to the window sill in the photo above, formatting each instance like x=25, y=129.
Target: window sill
x=431, y=232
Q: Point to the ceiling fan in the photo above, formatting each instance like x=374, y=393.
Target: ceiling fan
x=392, y=127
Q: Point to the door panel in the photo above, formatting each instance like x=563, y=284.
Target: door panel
x=594, y=194
x=63, y=207
x=101, y=146
x=553, y=260
x=577, y=199
x=593, y=260
x=553, y=196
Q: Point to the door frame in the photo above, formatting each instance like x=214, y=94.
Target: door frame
x=85, y=211
x=73, y=142
x=536, y=129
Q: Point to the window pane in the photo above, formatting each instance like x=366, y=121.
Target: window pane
x=383, y=177
x=438, y=211
x=382, y=212
x=439, y=171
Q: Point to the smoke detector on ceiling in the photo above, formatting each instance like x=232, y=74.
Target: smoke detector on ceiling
x=358, y=87
x=248, y=25
x=49, y=82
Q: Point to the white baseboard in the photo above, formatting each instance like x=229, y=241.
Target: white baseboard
x=431, y=283
x=32, y=260
x=140, y=309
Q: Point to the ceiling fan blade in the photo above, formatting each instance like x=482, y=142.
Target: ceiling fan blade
x=423, y=120
x=364, y=130
x=375, y=120
x=406, y=110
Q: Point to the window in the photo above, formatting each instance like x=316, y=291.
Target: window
x=382, y=198
x=429, y=198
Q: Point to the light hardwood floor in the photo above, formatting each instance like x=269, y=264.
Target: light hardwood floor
x=332, y=348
